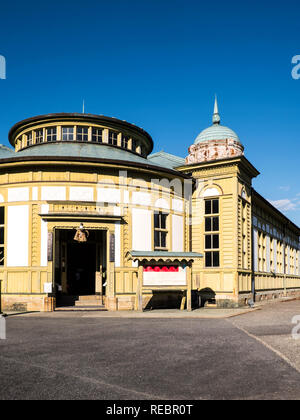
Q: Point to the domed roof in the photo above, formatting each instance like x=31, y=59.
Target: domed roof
x=216, y=131
x=6, y=151
x=83, y=150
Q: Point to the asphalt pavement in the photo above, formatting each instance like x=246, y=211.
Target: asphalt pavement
x=85, y=356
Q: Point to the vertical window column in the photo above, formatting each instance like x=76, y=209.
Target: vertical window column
x=160, y=231
x=212, y=233
x=2, y=235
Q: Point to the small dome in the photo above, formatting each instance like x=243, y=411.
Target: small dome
x=216, y=131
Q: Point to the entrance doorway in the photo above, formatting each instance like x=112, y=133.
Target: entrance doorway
x=80, y=267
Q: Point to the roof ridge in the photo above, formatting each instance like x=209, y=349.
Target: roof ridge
x=174, y=157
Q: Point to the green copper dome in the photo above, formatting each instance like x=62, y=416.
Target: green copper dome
x=216, y=131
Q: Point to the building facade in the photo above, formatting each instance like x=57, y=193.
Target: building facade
x=89, y=216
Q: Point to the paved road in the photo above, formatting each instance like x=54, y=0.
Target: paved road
x=77, y=356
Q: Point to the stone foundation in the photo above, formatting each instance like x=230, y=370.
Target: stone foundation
x=157, y=300
x=40, y=303
x=276, y=294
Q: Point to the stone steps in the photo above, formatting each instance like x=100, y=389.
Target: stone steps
x=80, y=302
x=88, y=303
x=89, y=308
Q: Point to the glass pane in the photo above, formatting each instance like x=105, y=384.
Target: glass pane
x=163, y=221
x=1, y=215
x=216, y=241
x=2, y=235
x=163, y=239
x=156, y=239
x=208, y=224
x=215, y=206
x=1, y=256
x=208, y=259
x=208, y=207
x=216, y=259
x=215, y=224
x=207, y=241
x=156, y=220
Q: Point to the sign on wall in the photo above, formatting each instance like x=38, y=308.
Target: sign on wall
x=112, y=247
x=50, y=246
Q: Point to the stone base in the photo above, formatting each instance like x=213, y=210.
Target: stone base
x=40, y=303
x=157, y=300
x=265, y=295
x=227, y=303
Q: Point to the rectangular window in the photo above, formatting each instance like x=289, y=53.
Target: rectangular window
x=160, y=230
x=29, y=139
x=113, y=138
x=212, y=236
x=133, y=145
x=125, y=141
x=212, y=206
x=82, y=133
x=68, y=133
x=2, y=235
x=97, y=134
x=51, y=134
x=39, y=136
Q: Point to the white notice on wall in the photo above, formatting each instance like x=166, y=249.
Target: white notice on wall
x=47, y=287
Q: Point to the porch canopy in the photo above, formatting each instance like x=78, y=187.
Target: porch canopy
x=184, y=260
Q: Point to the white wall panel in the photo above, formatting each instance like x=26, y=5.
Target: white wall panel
x=177, y=234
x=161, y=203
x=141, y=230
x=141, y=198
x=108, y=195
x=44, y=237
x=81, y=194
x=18, y=194
x=53, y=193
x=17, y=236
x=177, y=204
x=35, y=192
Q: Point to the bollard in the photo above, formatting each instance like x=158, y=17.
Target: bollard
x=2, y=328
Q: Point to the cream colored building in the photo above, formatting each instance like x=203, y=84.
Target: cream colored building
x=161, y=231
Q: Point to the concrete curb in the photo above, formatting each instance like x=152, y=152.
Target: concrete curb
x=7, y=314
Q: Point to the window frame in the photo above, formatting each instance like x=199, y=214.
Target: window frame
x=2, y=245
x=112, y=141
x=68, y=133
x=161, y=231
x=52, y=135
x=212, y=213
x=29, y=138
x=39, y=136
x=82, y=133
x=96, y=136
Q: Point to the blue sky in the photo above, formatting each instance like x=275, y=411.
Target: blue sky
x=158, y=64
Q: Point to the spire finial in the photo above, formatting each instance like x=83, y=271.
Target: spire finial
x=216, y=117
